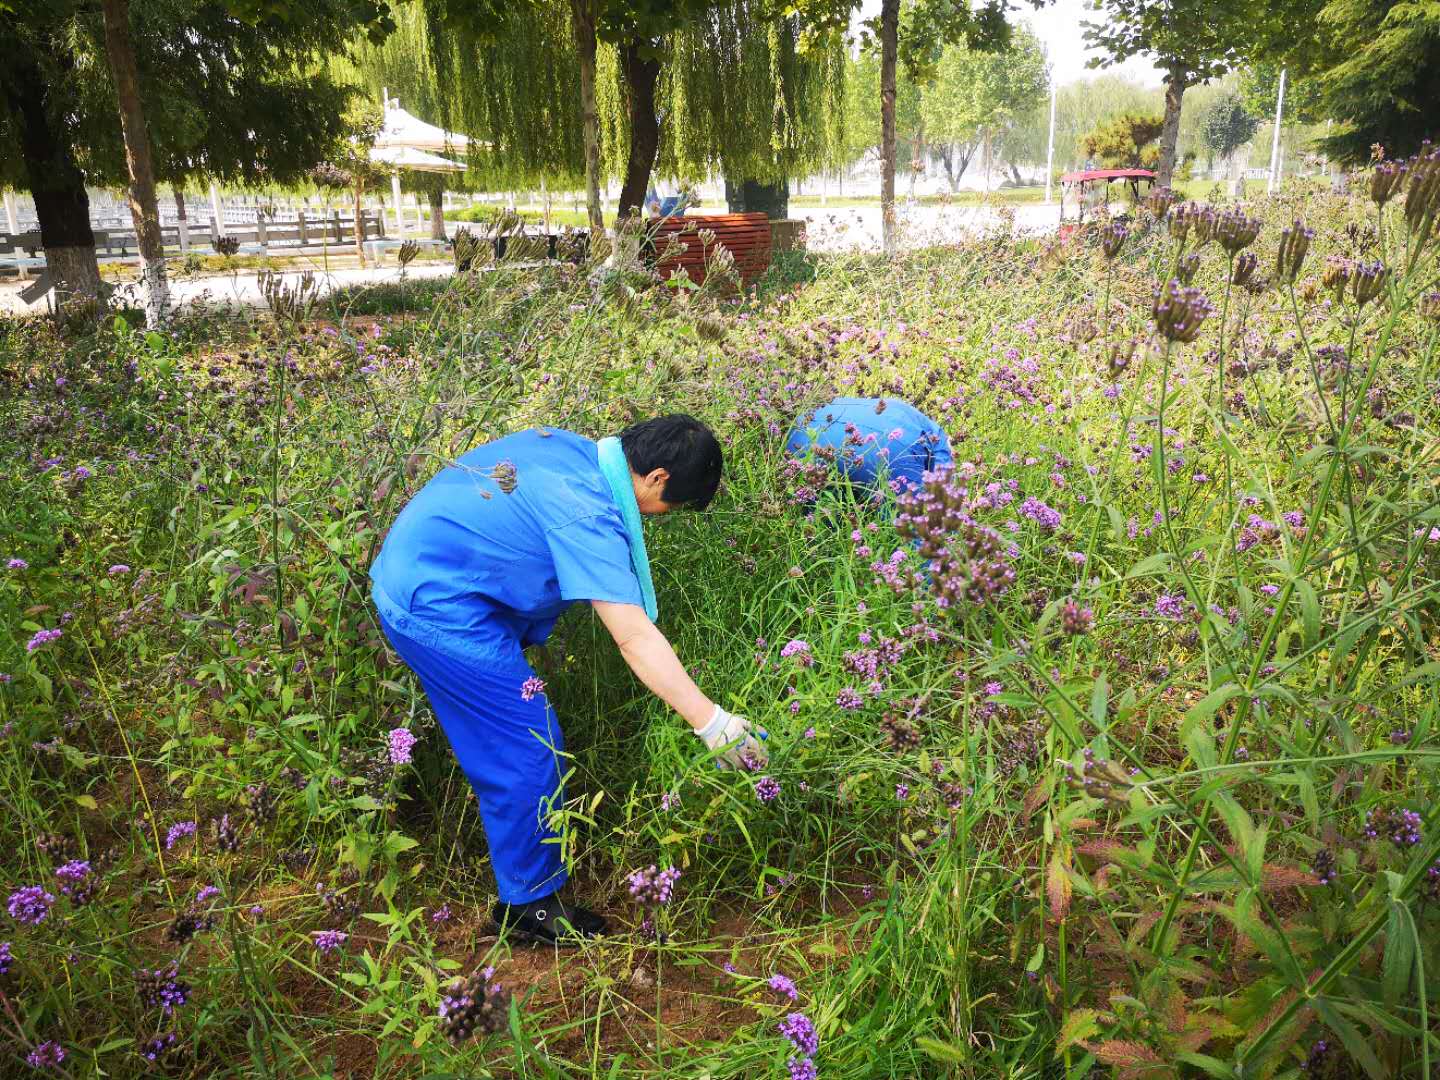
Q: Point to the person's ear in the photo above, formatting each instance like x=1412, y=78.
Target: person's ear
x=656, y=479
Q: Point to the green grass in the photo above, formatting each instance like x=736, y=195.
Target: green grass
x=1079, y=825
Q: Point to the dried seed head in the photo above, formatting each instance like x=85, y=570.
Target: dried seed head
x=1112, y=238
x=1368, y=281
x=1179, y=311
x=1186, y=267
x=1294, y=244
x=1205, y=224
x=1430, y=306
x=1121, y=353
x=1182, y=218
x=1386, y=180
x=1160, y=201
x=1244, y=269
x=1422, y=198
x=1338, y=272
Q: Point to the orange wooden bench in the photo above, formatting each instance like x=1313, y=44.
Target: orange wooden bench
x=745, y=236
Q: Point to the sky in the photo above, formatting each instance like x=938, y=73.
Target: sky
x=1057, y=25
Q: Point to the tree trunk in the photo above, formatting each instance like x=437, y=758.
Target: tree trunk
x=56, y=183
x=182, y=222
x=641, y=75
x=946, y=153
x=437, y=213
x=889, y=53
x=1175, y=83
x=359, y=226
x=143, y=207
x=583, y=19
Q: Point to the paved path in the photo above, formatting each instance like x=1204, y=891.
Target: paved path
x=241, y=288
x=857, y=228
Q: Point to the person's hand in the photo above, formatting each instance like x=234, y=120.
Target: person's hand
x=743, y=750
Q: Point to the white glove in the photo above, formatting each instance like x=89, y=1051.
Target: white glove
x=743, y=749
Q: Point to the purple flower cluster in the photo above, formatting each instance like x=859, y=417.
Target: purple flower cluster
x=75, y=880
x=30, y=905
x=802, y=1069
x=400, y=741
x=1043, y=515
x=530, y=687
x=783, y=984
x=1169, y=606
x=178, y=832
x=1075, y=620
x=967, y=562
x=162, y=989
x=849, y=700
x=767, y=789
x=798, y=1028
x=653, y=886
x=442, y=914
x=155, y=1049
x=1400, y=827
x=327, y=941
x=800, y=650
x=6, y=958
x=48, y=1055
x=43, y=638
x=17, y=564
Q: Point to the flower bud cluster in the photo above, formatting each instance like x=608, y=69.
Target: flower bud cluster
x=1236, y=230
x=1294, y=244
x=1180, y=311
x=473, y=1004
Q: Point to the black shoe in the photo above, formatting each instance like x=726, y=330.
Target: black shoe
x=549, y=921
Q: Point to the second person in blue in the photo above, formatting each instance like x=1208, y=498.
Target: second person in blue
x=872, y=442
x=481, y=563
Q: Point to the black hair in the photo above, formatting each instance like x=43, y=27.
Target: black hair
x=684, y=447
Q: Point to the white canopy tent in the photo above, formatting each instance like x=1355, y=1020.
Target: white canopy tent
x=407, y=142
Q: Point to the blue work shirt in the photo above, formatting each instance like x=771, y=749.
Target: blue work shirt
x=899, y=441
x=481, y=571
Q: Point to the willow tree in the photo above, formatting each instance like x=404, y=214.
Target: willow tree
x=747, y=95
x=507, y=72
x=693, y=85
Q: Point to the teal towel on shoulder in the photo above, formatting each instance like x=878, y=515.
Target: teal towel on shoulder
x=616, y=471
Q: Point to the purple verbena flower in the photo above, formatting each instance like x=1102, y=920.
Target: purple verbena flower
x=800, y=650
x=6, y=958
x=653, y=886
x=48, y=1055
x=802, y=1069
x=118, y=569
x=43, y=638
x=849, y=700
x=530, y=687
x=30, y=905
x=1170, y=607
x=18, y=564
x=178, y=832
x=400, y=741
x=767, y=789
x=782, y=984
x=327, y=941
x=798, y=1028
x=1400, y=827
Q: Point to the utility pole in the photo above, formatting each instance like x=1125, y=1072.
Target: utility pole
x=1050, y=148
x=1275, y=142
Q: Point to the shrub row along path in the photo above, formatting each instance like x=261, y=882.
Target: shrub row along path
x=851, y=228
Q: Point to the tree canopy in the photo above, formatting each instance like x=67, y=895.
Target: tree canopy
x=1124, y=142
